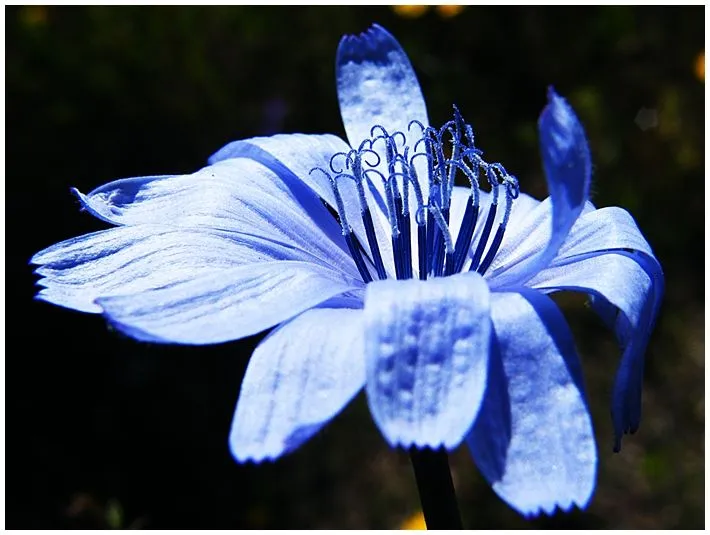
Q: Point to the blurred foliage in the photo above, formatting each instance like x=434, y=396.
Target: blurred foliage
x=106, y=432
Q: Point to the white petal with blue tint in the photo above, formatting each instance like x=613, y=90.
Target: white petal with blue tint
x=426, y=345
x=235, y=303
x=528, y=234
x=294, y=156
x=234, y=195
x=607, y=257
x=298, y=379
x=132, y=259
x=377, y=86
x=535, y=444
x=632, y=284
x=567, y=164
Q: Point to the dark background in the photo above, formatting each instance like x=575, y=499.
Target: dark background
x=103, y=431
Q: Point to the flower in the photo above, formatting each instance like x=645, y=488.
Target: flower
x=431, y=296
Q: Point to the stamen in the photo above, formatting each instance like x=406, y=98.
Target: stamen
x=443, y=228
x=432, y=228
x=463, y=240
x=484, y=237
x=359, y=261
x=421, y=241
x=401, y=241
x=346, y=229
x=438, y=255
x=372, y=242
x=438, y=262
x=512, y=190
x=420, y=217
x=360, y=175
x=470, y=216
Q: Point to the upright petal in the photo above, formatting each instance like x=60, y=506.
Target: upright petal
x=606, y=257
x=298, y=379
x=550, y=458
x=211, y=309
x=567, y=163
x=426, y=344
x=376, y=85
x=133, y=259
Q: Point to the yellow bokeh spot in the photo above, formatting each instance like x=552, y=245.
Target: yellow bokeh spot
x=414, y=522
x=700, y=66
x=33, y=15
x=411, y=12
x=448, y=12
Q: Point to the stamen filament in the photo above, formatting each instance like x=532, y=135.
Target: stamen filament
x=394, y=161
x=484, y=237
x=372, y=242
x=463, y=240
x=497, y=239
x=439, y=247
x=357, y=257
x=422, y=237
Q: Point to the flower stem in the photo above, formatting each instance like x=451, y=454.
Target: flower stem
x=436, y=490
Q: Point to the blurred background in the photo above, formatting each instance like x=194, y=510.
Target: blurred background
x=106, y=432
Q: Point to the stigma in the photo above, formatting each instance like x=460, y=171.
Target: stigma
x=410, y=177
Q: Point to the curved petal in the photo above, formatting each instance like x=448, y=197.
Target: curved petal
x=527, y=235
x=293, y=156
x=298, y=379
x=132, y=259
x=426, y=345
x=238, y=195
x=232, y=304
x=567, y=164
x=535, y=444
x=608, y=258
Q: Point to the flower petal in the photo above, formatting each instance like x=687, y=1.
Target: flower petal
x=535, y=444
x=294, y=156
x=238, y=195
x=132, y=259
x=298, y=379
x=217, y=308
x=606, y=257
x=567, y=164
x=426, y=344
x=376, y=85
x=528, y=233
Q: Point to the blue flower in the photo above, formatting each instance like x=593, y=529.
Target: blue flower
x=378, y=272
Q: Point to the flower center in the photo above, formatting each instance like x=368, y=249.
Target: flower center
x=437, y=156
